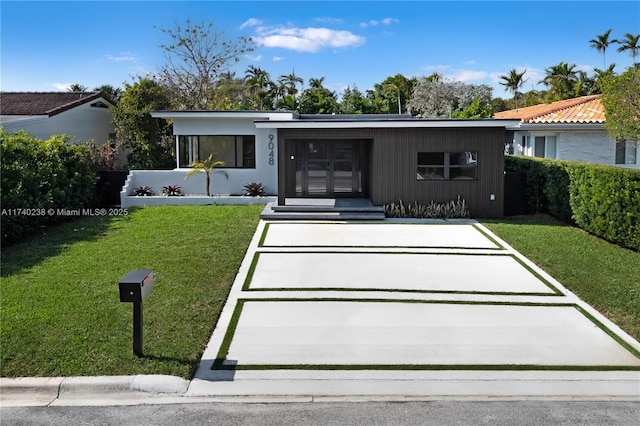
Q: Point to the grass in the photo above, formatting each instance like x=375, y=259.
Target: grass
x=602, y=274
x=61, y=314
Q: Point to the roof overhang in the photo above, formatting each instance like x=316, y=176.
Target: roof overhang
x=252, y=115
x=373, y=124
x=556, y=126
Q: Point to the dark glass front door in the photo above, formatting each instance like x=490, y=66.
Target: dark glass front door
x=328, y=168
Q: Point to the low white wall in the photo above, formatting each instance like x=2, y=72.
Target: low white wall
x=223, y=190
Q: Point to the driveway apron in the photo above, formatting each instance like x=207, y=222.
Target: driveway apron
x=407, y=309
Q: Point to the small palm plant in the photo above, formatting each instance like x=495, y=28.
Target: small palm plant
x=206, y=166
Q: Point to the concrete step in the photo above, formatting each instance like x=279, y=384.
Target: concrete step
x=320, y=212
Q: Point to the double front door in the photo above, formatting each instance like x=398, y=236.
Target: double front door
x=328, y=168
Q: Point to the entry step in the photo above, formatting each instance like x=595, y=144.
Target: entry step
x=324, y=209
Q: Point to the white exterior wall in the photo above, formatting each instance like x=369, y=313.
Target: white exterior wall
x=83, y=123
x=590, y=146
x=266, y=170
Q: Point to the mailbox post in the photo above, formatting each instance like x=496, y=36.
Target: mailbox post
x=135, y=287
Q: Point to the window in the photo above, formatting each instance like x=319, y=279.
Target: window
x=625, y=153
x=448, y=165
x=544, y=147
x=235, y=151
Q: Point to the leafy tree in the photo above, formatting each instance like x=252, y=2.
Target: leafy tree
x=601, y=43
x=561, y=80
x=230, y=93
x=195, y=57
x=630, y=43
x=621, y=100
x=476, y=109
x=354, y=102
x=148, y=139
x=317, y=99
x=442, y=98
x=513, y=82
x=601, y=75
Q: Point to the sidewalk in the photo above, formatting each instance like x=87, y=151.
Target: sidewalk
x=383, y=311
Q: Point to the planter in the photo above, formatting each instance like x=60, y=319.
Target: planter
x=186, y=200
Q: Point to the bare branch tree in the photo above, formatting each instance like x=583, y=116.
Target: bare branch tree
x=195, y=58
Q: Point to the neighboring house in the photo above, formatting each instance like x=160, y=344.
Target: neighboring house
x=384, y=158
x=82, y=115
x=572, y=129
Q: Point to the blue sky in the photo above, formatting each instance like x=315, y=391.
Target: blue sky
x=47, y=45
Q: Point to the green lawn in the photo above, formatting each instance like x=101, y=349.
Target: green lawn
x=604, y=275
x=61, y=314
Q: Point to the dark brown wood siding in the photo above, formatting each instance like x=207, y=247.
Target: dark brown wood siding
x=393, y=164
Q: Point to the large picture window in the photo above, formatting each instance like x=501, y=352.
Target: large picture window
x=235, y=151
x=448, y=165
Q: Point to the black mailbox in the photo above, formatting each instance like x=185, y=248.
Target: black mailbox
x=136, y=286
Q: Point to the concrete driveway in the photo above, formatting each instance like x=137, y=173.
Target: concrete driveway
x=417, y=309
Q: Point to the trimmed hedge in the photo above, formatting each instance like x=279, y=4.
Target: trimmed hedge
x=603, y=200
x=38, y=176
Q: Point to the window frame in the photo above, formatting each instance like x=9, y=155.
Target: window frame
x=244, y=150
x=626, y=154
x=446, y=166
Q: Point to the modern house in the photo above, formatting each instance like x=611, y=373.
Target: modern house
x=572, y=129
x=382, y=158
x=82, y=115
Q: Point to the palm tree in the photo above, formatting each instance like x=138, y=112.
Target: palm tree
x=290, y=82
x=111, y=93
x=630, y=43
x=601, y=43
x=603, y=75
x=206, y=166
x=513, y=82
x=77, y=87
x=561, y=80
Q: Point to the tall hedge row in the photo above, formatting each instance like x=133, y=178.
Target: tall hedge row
x=38, y=176
x=603, y=200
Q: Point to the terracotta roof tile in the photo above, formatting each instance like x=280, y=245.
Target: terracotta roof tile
x=42, y=103
x=586, y=109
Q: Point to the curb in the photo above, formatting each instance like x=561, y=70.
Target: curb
x=43, y=391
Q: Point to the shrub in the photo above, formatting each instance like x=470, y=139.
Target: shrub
x=38, y=179
x=143, y=191
x=603, y=200
x=451, y=210
x=254, y=189
x=172, y=191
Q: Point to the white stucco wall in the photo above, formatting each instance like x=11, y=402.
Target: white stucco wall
x=266, y=170
x=590, y=146
x=83, y=123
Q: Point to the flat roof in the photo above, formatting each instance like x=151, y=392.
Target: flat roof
x=406, y=123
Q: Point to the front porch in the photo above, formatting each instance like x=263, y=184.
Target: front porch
x=323, y=209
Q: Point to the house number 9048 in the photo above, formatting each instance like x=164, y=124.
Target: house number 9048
x=271, y=146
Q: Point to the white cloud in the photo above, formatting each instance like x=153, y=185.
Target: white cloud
x=466, y=76
x=256, y=58
x=306, y=39
x=251, y=22
x=62, y=86
x=122, y=57
x=374, y=23
x=470, y=62
x=328, y=20
x=277, y=58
